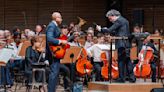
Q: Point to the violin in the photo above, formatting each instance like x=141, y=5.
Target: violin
x=143, y=68
x=41, y=48
x=83, y=66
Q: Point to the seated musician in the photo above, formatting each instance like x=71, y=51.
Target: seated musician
x=157, y=32
x=71, y=28
x=15, y=61
x=147, y=42
x=32, y=56
x=6, y=69
x=88, y=42
x=72, y=67
x=137, y=40
x=95, y=52
x=75, y=42
x=38, y=30
x=64, y=70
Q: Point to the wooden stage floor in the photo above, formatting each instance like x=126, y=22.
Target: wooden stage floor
x=139, y=86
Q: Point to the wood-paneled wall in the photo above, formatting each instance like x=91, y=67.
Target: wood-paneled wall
x=153, y=12
x=39, y=11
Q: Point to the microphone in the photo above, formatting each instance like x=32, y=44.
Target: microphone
x=94, y=23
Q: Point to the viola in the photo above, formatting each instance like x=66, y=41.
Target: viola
x=143, y=69
x=83, y=66
x=59, y=50
x=104, y=69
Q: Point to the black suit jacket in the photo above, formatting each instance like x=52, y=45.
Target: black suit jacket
x=120, y=28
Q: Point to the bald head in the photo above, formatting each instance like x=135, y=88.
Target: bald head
x=56, y=16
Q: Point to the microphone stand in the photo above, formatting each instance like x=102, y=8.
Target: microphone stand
x=72, y=74
x=110, y=64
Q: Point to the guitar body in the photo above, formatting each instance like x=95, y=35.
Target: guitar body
x=59, y=51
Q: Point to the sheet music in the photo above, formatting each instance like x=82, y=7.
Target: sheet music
x=5, y=55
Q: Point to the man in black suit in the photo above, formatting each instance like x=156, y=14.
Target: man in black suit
x=52, y=33
x=120, y=28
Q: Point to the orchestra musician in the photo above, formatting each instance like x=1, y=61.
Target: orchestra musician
x=75, y=42
x=120, y=28
x=137, y=39
x=88, y=42
x=64, y=69
x=95, y=52
x=32, y=56
x=147, y=43
x=38, y=30
x=5, y=70
x=52, y=33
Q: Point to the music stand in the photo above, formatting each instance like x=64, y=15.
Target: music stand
x=133, y=53
x=22, y=50
x=81, y=41
x=73, y=50
x=71, y=55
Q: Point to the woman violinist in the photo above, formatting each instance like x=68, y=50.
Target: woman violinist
x=32, y=56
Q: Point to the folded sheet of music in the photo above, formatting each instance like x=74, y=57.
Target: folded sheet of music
x=5, y=55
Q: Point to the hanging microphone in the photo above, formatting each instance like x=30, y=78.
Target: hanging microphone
x=94, y=23
x=70, y=38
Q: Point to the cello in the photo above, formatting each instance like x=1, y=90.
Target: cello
x=83, y=66
x=143, y=68
x=104, y=69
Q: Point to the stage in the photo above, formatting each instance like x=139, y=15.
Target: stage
x=139, y=86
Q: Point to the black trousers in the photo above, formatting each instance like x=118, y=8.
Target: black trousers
x=124, y=62
x=64, y=70
x=97, y=70
x=153, y=69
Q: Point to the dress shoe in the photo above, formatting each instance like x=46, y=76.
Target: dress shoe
x=120, y=81
x=132, y=80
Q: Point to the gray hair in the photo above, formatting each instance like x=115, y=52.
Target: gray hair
x=145, y=35
x=113, y=12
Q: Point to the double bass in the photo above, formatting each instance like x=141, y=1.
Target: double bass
x=83, y=66
x=104, y=69
x=143, y=68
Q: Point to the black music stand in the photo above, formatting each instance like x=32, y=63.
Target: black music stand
x=110, y=63
x=70, y=57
